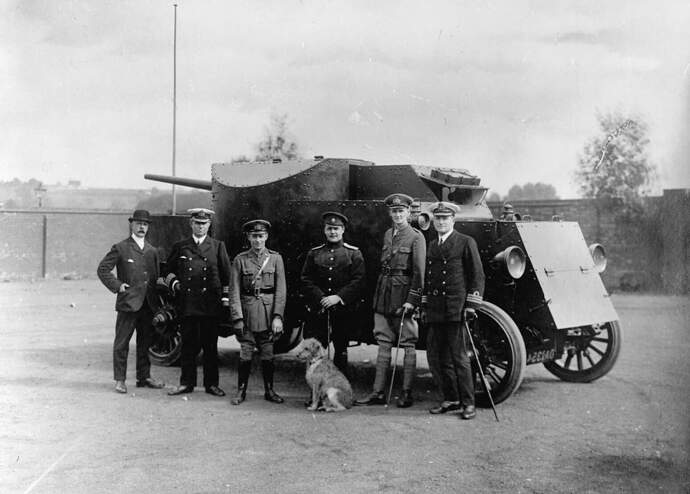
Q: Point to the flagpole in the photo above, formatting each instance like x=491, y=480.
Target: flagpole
x=174, y=197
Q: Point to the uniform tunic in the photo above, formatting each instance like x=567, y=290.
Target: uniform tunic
x=333, y=269
x=402, y=270
x=257, y=299
x=139, y=269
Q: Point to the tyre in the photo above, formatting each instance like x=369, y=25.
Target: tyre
x=501, y=351
x=589, y=353
x=167, y=345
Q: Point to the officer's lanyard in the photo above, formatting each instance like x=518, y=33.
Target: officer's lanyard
x=258, y=274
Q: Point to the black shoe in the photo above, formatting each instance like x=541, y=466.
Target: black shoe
x=406, y=400
x=272, y=396
x=215, y=391
x=240, y=396
x=375, y=398
x=468, y=413
x=446, y=406
x=180, y=390
x=149, y=382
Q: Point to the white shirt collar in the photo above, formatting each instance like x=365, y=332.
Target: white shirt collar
x=444, y=237
x=139, y=241
x=199, y=240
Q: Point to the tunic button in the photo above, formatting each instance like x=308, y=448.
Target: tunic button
x=190, y=269
x=331, y=268
x=329, y=279
x=331, y=258
x=443, y=293
x=443, y=282
x=443, y=272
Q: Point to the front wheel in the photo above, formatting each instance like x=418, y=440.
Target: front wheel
x=589, y=353
x=167, y=345
x=501, y=352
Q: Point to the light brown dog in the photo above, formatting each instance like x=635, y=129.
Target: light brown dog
x=330, y=389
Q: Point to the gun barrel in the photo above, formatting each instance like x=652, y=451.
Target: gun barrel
x=187, y=182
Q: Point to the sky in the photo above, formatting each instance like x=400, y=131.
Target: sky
x=509, y=90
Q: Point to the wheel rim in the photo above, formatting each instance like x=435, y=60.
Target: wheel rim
x=165, y=344
x=500, y=356
x=586, y=350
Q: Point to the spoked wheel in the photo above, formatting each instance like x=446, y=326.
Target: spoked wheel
x=589, y=353
x=167, y=345
x=501, y=353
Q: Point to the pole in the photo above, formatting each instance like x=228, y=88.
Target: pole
x=174, y=197
x=481, y=371
x=44, y=247
x=395, y=360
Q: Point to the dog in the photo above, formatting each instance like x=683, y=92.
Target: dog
x=330, y=389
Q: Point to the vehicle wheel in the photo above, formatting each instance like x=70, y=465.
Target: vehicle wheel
x=594, y=349
x=501, y=353
x=166, y=347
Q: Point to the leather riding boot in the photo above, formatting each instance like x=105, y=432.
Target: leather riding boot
x=383, y=362
x=409, y=367
x=243, y=370
x=267, y=371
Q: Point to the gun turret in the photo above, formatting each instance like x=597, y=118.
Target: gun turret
x=187, y=182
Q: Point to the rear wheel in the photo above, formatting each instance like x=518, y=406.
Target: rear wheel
x=501, y=354
x=589, y=353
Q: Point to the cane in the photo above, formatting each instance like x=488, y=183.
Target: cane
x=481, y=371
x=395, y=360
x=328, y=326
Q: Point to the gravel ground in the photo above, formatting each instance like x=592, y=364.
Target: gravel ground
x=64, y=429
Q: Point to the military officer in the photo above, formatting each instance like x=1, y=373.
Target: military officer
x=257, y=303
x=198, y=271
x=136, y=263
x=332, y=281
x=398, y=293
x=454, y=284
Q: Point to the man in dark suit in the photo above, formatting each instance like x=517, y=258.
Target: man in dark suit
x=454, y=284
x=136, y=263
x=332, y=282
x=198, y=271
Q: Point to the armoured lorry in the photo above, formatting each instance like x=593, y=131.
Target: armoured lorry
x=544, y=300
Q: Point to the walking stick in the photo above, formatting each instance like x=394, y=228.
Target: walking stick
x=481, y=371
x=395, y=360
x=328, y=325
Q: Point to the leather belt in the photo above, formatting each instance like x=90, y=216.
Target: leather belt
x=257, y=291
x=395, y=272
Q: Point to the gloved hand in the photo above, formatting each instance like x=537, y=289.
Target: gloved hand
x=423, y=317
x=238, y=326
x=162, y=287
x=407, y=309
x=225, y=302
x=470, y=315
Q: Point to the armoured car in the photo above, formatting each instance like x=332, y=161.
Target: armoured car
x=544, y=301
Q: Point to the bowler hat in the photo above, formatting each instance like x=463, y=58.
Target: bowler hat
x=140, y=215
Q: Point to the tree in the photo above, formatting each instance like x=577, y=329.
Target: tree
x=277, y=142
x=614, y=164
x=532, y=191
x=493, y=197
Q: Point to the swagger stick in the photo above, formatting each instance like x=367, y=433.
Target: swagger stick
x=328, y=325
x=395, y=360
x=481, y=371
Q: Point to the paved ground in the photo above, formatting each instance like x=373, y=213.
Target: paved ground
x=63, y=429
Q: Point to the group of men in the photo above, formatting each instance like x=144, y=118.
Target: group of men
x=440, y=283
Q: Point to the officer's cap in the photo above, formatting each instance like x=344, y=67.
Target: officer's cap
x=256, y=226
x=398, y=201
x=201, y=215
x=444, y=209
x=140, y=215
x=334, y=219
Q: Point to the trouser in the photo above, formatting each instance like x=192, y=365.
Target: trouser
x=386, y=330
x=125, y=324
x=249, y=340
x=449, y=361
x=317, y=327
x=199, y=332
